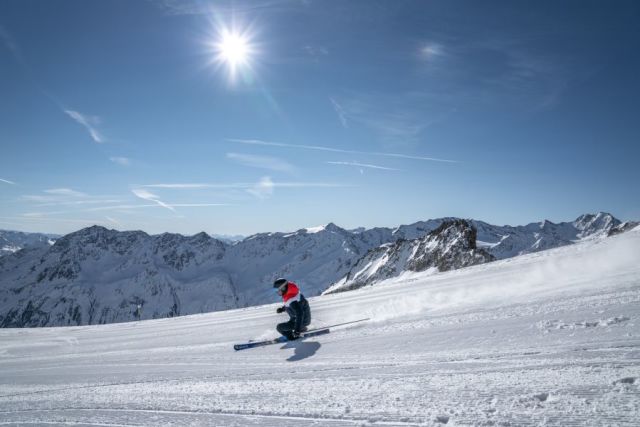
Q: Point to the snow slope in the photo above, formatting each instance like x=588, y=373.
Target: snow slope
x=546, y=338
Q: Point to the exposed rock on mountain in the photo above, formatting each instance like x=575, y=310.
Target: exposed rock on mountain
x=450, y=246
x=621, y=228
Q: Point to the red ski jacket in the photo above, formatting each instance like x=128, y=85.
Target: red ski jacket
x=292, y=294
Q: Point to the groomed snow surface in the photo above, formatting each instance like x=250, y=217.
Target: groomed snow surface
x=550, y=338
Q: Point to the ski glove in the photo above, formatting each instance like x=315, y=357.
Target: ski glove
x=280, y=310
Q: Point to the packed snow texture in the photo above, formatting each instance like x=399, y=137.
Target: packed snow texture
x=547, y=338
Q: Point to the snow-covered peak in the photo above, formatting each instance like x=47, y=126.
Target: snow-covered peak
x=590, y=224
x=330, y=228
x=317, y=229
x=450, y=246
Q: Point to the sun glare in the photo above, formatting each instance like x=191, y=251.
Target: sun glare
x=233, y=49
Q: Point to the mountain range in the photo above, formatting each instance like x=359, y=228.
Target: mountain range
x=96, y=275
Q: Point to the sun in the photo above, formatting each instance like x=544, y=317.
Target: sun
x=234, y=49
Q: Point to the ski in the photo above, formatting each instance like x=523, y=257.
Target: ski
x=280, y=340
x=259, y=343
x=310, y=333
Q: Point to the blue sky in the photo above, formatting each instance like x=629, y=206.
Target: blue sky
x=241, y=117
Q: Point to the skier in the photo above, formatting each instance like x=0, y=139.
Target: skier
x=296, y=306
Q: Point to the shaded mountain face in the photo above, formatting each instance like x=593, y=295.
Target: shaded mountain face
x=450, y=246
x=97, y=275
x=13, y=241
x=621, y=228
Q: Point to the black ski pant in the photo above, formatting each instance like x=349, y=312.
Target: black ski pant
x=287, y=328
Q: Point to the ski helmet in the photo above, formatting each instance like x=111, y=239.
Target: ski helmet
x=280, y=283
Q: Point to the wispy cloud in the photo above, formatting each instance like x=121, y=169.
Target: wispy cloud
x=244, y=185
x=89, y=122
x=113, y=220
x=534, y=77
x=192, y=185
x=431, y=51
x=120, y=207
x=198, y=205
x=281, y=144
x=261, y=162
x=38, y=214
x=72, y=201
x=146, y=195
x=340, y=112
x=390, y=117
x=38, y=219
x=263, y=189
x=196, y=7
x=173, y=205
x=38, y=198
x=65, y=192
x=10, y=43
x=520, y=75
x=316, y=51
x=56, y=196
x=122, y=161
x=363, y=165
x=335, y=150
x=77, y=202
x=67, y=197
x=8, y=40
x=6, y=181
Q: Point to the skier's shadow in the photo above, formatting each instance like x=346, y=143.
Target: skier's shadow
x=302, y=349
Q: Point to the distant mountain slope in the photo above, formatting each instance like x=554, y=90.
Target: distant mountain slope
x=505, y=242
x=13, y=241
x=97, y=275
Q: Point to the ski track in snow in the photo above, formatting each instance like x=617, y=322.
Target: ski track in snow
x=550, y=338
